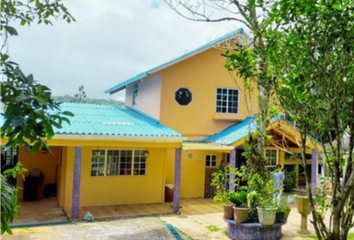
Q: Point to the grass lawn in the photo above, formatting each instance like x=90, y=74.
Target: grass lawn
x=350, y=236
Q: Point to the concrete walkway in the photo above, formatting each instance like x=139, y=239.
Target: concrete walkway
x=198, y=219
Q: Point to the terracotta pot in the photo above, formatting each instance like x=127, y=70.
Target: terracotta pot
x=241, y=214
x=287, y=212
x=266, y=215
x=302, y=204
x=228, y=212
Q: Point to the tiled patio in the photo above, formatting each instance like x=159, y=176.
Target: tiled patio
x=40, y=211
x=188, y=207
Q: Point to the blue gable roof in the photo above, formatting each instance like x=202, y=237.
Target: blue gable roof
x=184, y=56
x=97, y=119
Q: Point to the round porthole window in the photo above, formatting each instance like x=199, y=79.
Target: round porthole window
x=183, y=96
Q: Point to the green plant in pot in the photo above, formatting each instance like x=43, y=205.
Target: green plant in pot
x=241, y=209
x=222, y=195
x=287, y=210
x=280, y=214
x=267, y=210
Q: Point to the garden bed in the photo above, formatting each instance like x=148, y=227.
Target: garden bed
x=253, y=231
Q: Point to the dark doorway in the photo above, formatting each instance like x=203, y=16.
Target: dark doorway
x=240, y=159
x=302, y=178
x=9, y=160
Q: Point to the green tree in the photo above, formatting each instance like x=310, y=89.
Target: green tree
x=81, y=96
x=29, y=110
x=311, y=51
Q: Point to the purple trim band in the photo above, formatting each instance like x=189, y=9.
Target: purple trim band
x=232, y=165
x=313, y=172
x=76, y=184
x=177, y=186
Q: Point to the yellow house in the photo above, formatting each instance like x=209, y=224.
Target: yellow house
x=180, y=120
x=195, y=95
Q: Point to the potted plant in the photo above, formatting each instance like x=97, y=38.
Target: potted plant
x=266, y=211
x=222, y=195
x=280, y=214
x=287, y=210
x=241, y=210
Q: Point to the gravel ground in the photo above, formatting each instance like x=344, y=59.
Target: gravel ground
x=126, y=229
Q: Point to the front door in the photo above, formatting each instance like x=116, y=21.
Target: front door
x=9, y=160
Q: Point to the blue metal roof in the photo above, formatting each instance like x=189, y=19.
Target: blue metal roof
x=233, y=133
x=145, y=74
x=240, y=130
x=96, y=119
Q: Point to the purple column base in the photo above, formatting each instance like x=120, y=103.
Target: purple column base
x=253, y=231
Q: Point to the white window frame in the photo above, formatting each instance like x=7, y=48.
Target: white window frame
x=277, y=158
x=227, y=106
x=211, y=157
x=119, y=161
x=135, y=94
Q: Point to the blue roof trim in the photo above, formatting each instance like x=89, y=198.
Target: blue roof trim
x=124, y=84
x=240, y=130
x=191, y=141
x=145, y=74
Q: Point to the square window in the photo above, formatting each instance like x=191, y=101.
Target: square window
x=118, y=162
x=272, y=158
x=210, y=160
x=227, y=100
x=135, y=94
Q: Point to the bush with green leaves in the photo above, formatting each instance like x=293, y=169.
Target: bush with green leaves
x=289, y=181
x=217, y=182
x=239, y=199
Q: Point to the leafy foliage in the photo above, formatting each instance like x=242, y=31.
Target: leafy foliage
x=222, y=194
x=30, y=112
x=311, y=51
x=239, y=198
x=10, y=205
x=289, y=181
x=81, y=96
x=68, y=98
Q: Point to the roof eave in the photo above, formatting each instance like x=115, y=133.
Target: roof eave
x=120, y=138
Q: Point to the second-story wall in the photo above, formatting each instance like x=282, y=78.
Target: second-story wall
x=149, y=96
x=202, y=74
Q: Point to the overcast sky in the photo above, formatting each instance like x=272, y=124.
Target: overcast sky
x=110, y=42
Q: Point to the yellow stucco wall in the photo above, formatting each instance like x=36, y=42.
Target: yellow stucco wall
x=192, y=171
x=47, y=163
x=201, y=74
x=114, y=190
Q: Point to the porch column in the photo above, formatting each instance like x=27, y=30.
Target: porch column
x=232, y=175
x=313, y=171
x=177, y=186
x=224, y=157
x=76, y=184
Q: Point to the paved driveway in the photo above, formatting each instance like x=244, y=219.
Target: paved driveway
x=126, y=229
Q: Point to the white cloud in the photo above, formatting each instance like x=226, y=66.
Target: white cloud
x=111, y=41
